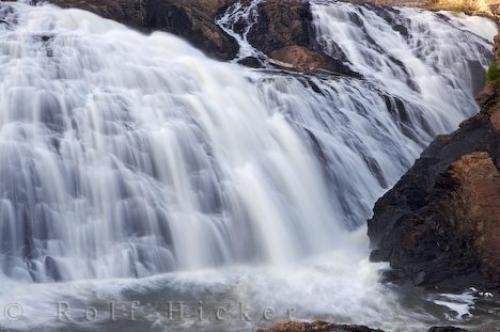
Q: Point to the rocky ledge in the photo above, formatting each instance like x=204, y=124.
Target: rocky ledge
x=320, y=326
x=283, y=30
x=440, y=224
x=317, y=326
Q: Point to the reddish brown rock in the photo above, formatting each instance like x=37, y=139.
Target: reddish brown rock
x=497, y=49
x=440, y=224
x=302, y=59
x=475, y=208
x=285, y=33
x=495, y=120
x=320, y=326
x=317, y=326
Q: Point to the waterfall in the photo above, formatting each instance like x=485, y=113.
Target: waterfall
x=126, y=155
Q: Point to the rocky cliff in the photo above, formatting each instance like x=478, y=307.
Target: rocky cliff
x=440, y=224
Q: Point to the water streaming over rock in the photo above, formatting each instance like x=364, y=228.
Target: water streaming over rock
x=125, y=155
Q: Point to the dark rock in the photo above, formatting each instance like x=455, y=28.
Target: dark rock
x=129, y=12
x=440, y=224
x=52, y=269
x=419, y=278
x=304, y=60
x=402, y=30
x=317, y=326
x=282, y=23
x=251, y=61
x=478, y=76
x=192, y=20
x=446, y=329
x=284, y=32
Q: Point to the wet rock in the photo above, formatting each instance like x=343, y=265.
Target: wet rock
x=478, y=76
x=195, y=21
x=305, y=60
x=446, y=329
x=125, y=11
x=317, y=326
x=284, y=32
x=192, y=20
x=282, y=23
x=440, y=224
x=52, y=269
x=251, y=61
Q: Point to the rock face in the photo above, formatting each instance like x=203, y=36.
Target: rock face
x=317, y=326
x=282, y=23
x=192, y=20
x=440, y=224
x=284, y=32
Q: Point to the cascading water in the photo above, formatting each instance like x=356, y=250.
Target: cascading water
x=117, y=164
x=244, y=16
x=378, y=125
x=125, y=155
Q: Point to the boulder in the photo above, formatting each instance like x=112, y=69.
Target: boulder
x=124, y=11
x=192, y=20
x=317, y=326
x=282, y=23
x=305, y=60
x=446, y=329
x=440, y=224
x=284, y=31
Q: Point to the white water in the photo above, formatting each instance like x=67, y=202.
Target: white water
x=125, y=155
x=246, y=16
x=412, y=54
